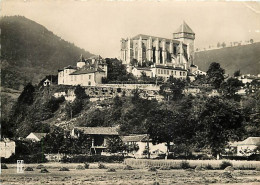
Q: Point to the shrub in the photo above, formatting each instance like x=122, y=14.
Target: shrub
x=4, y=166
x=152, y=169
x=208, y=167
x=86, y=165
x=165, y=168
x=28, y=169
x=101, y=166
x=198, y=168
x=184, y=165
x=39, y=166
x=229, y=169
x=92, y=159
x=44, y=170
x=225, y=164
x=64, y=169
x=80, y=167
x=128, y=167
x=111, y=170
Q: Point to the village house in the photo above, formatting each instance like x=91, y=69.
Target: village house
x=248, y=146
x=34, y=136
x=7, y=148
x=143, y=143
x=99, y=136
x=87, y=72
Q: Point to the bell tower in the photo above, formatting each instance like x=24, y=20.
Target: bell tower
x=185, y=34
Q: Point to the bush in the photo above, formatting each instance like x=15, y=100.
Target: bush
x=39, y=166
x=80, y=167
x=92, y=159
x=101, y=166
x=224, y=164
x=184, y=165
x=86, y=165
x=128, y=167
x=152, y=169
x=28, y=169
x=64, y=169
x=32, y=158
x=165, y=168
x=111, y=170
x=208, y=167
x=44, y=170
x=4, y=166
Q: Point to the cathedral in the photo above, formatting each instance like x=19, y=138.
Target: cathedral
x=162, y=53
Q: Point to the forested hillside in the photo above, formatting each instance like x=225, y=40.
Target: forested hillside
x=30, y=51
x=246, y=58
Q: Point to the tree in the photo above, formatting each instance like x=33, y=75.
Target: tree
x=160, y=126
x=27, y=96
x=230, y=87
x=133, y=62
x=80, y=93
x=251, y=41
x=219, y=122
x=115, y=144
x=74, y=108
x=173, y=88
x=237, y=73
x=218, y=45
x=215, y=74
x=223, y=44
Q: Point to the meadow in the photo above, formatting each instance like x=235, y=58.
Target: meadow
x=121, y=176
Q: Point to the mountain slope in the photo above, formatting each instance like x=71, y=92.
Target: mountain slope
x=30, y=51
x=246, y=58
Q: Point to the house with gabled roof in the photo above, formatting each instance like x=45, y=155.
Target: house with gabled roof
x=36, y=136
x=99, y=136
x=142, y=144
x=87, y=72
x=248, y=146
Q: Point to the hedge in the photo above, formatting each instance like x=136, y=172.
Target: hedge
x=33, y=158
x=92, y=159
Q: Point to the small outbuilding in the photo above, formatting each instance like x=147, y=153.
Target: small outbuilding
x=34, y=136
x=248, y=147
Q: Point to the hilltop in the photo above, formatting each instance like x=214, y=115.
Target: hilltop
x=245, y=58
x=30, y=51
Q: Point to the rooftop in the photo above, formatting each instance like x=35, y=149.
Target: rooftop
x=251, y=141
x=98, y=130
x=184, y=28
x=87, y=71
x=146, y=37
x=135, y=138
x=39, y=135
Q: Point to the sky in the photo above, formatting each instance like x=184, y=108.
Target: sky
x=98, y=25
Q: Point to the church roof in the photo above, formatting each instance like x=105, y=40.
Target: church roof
x=146, y=37
x=184, y=28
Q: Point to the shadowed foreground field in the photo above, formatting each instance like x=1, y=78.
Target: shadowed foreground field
x=121, y=176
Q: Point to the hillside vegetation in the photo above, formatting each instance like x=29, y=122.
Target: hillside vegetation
x=246, y=58
x=30, y=51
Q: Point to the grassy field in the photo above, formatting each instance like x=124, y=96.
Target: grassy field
x=122, y=177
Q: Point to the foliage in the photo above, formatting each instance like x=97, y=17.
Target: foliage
x=225, y=164
x=32, y=158
x=60, y=141
x=82, y=158
x=80, y=93
x=185, y=165
x=173, y=89
x=74, y=108
x=4, y=166
x=237, y=73
x=27, y=96
x=230, y=87
x=215, y=74
x=101, y=166
x=115, y=144
x=219, y=122
x=86, y=165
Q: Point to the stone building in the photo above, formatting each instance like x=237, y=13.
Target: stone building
x=176, y=53
x=87, y=72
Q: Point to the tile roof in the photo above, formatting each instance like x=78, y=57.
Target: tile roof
x=70, y=67
x=135, y=138
x=87, y=71
x=251, y=141
x=146, y=37
x=39, y=135
x=184, y=28
x=98, y=130
x=170, y=67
